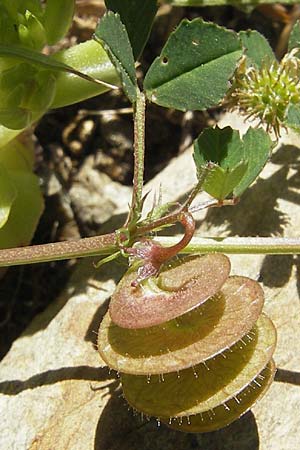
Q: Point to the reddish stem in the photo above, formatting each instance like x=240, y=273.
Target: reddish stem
x=154, y=255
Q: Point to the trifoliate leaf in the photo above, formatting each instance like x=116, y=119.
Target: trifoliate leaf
x=237, y=162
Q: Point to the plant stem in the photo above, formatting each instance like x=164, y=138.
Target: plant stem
x=201, y=179
x=107, y=244
x=239, y=245
x=99, y=245
x=139, y=156
x=221, y=2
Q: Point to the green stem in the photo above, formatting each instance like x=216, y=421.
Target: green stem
x=139, y=156
x=239, y=245
x=108, y=244
x=222, y=2
x=202, y=174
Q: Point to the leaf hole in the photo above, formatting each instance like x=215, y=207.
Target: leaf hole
x=165, y=60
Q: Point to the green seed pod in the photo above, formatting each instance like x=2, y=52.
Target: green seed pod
x=176, y=291
x=228, y=412
x=207, y=385
x=188, y=339
x=193, y=350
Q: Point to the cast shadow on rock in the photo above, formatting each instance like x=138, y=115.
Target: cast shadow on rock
x=288, y=376
x=257, y=213
x=88, y=373
x=119, y=429
x=85, y=276
x=287, y=155
x=92, y=331
x=276, y=270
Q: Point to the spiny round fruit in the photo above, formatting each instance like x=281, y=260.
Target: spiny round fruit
x=187, y=340
x=178, y=289
x=267, y=92
x=206, y=386
x=228, y=412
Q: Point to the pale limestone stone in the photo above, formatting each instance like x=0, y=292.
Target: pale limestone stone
x=56, y=393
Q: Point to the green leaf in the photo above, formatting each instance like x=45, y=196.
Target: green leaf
x=257, y=146
x=16, y=162
x=238, y=162
x=7, y=195
x=137, y=17
x=90, y=58
x=293, y=117
x=194, y=67
x=294, y=40
x=221, y=182
x=114, y=38
x=57, y=19
x=25, y=211
x=41, y=60
x=218, y=145
x=25, y=90
x=15, y=156
x=32, y=34
x=258, y=50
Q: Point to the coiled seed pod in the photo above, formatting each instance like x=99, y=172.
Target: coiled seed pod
x=193, y=346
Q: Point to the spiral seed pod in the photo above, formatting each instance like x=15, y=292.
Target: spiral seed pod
x=192, y=346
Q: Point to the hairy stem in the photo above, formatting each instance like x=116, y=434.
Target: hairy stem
x=99, y=245
x=107, y=244
x=139, y=156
